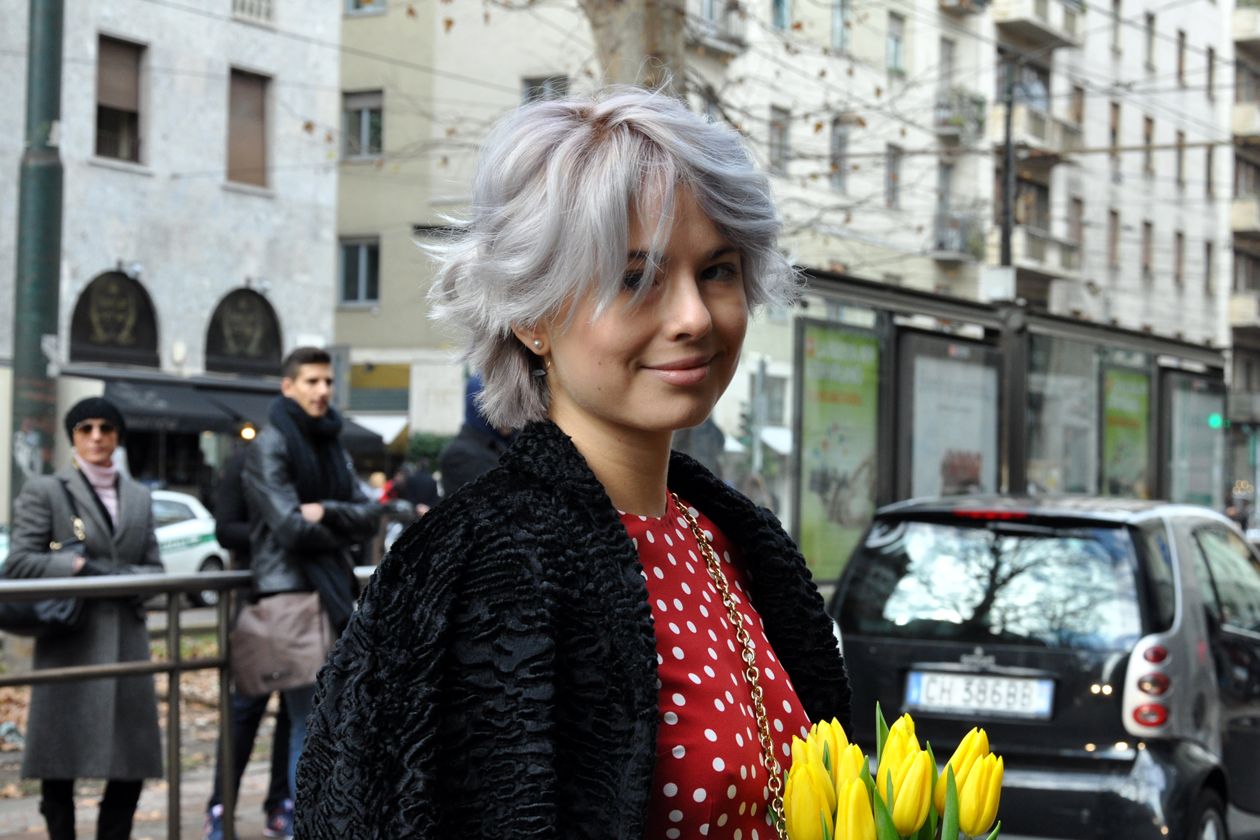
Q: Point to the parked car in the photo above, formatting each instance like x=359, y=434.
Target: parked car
x=185, y=532
x=1110, y=648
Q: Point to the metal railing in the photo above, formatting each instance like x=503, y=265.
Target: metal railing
x=173, y=666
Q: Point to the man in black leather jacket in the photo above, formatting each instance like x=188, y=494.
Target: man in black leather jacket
x=306, y=510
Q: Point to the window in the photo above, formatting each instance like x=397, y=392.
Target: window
x=1209, y=267
x=1114, y=131
x=775, y=388
x=780, y=14
x=1181, y=56
x=840, y=154
x=544, y=88
x=1078, y=105
x=1076, y=221
x=1115, y=24
x=353, y=6
x=118, y=99
x=1209, y=175
x=1148, y=139
x=840, y=12
x=1235, y=575
x=892, y=178
x=945, y=77
x=1179, y=257
x=1246, y=177
x=362, y=124
x=166, y=512
x=1211, y=72
x=896, y=58
x=778, y=140
x=1246, y=82
x=1113, y=238
x=247, y=129
x=1150, y=41
x=1032, y=204
x=1246, y=272
x=360, y=271
x=1148, y=242
x=1181, y=158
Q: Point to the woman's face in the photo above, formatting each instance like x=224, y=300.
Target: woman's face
x=661, y=364
x=95, y=440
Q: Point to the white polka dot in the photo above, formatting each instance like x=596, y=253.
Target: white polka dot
x=739, y=739
x=708, y=535
x=786, y=751
x=659, y=574
x=712, y=653
x=770, y=654
x=730, y=645
x=730, y=794
x=707, y=598
x=704, y=830
x=677, y=604
x=675, y=816
x=671, y=789
x=713, y=635
x=679, y=700
x=787, y=707
x=692, y=570
x=700, y=794
x=753, y=812
x=673, y=834
x=651, y=538
x=635, y=541
x=804, y=732
x=694, y=513
x=718, y=703
x=778, y=724
x=769, y=673
x=680, y=535
x=678, y=653
x=754, y=833
x=710, y=734
x=743, y=770
x=682, y=522
x=722, y=819
x=661, y=605
x=671, y=718
x=704, y=611
x=719, y=765
x=674, y=628
x=659, y=659
x=709, y=671
x=686, y=589
x=691, y=625
x=743, y=806
x=729, y=698
x=678, y=751
x=695, y=678
x=644, y=575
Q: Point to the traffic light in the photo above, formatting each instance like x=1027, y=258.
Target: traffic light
x=1215, y=420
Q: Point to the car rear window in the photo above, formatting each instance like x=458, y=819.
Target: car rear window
x=994, y=583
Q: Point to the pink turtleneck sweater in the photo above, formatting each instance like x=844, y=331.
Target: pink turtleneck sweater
x=102, y=480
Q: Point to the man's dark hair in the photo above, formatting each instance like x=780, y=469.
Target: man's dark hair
x=304, y=356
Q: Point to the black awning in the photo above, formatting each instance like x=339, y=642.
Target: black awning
x=167, y=407
x=357, y=439
x=246, y=406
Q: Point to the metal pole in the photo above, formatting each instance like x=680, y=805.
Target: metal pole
x=759, y=413
x=1008, y=163
x=172, y=716
x=227, y=761
x=35, y=298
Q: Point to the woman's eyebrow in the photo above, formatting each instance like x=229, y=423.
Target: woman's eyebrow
x=723, y=251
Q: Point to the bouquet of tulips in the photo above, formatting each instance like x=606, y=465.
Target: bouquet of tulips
x=830, y=794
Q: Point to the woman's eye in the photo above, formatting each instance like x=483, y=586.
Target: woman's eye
x=632, y=280
x=722, y=271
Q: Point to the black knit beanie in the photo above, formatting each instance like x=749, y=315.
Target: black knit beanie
x=95, y=407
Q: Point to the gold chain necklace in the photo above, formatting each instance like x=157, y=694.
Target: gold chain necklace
x=751, y=672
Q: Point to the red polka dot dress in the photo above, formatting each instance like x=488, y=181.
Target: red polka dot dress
x=710, y=776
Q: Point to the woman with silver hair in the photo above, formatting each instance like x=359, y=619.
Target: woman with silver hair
x=597, y=639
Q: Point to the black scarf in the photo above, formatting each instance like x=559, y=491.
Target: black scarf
x=320, y=473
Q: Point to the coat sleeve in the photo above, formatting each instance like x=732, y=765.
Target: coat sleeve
x=152, y=555
x=231, y=517
x=355, y=520
x=433, y=718
x=272, y=497
x=29, y=554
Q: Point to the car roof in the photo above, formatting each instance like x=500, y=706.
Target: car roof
x=201, y=511
x=1050, y=507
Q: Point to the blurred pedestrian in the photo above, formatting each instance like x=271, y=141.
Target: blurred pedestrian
x=306, y=510
x=231, y=529
x=421, y=490
x=97, y=728
x=478, y=446
x=502, y=676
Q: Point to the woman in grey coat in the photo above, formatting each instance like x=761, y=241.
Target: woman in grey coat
x=102, y=728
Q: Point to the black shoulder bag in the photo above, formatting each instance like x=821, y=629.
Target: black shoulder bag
x=54, y=617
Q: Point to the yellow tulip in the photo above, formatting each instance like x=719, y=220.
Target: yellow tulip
x=854, y=820
x=974, y=746
x=978, y=798
x=850, y=765
x=808, y=801
x=912, y=793
x=828, y=737
x=900, y=744
x=800, y=751
x=905, y=724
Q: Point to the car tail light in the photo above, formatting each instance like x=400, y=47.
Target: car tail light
x=1002, y=515
x=1151, y=714
x=1155, y=653
x=1153, y=683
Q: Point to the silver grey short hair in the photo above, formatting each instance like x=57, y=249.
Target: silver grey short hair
x=549, y=222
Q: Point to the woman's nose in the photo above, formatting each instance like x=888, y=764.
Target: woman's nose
x=689, y=313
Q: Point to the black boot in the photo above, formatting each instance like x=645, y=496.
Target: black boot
x=118, y=810
x=57, y=806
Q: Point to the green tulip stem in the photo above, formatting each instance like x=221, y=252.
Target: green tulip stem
x=949, y=820
x=881, y=733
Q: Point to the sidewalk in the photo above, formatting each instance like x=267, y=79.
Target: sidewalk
x=21, y=817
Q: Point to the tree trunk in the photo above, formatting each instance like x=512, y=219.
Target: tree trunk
x=640, y=42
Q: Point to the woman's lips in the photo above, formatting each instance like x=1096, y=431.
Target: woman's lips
x=683, y=372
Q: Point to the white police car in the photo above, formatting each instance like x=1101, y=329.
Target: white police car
x=185, y=533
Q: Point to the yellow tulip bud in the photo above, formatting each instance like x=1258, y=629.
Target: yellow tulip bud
x=800, y=751
x=828, y=738
x=808, y=801
x=854, y=820
x=899, y=745
x=978, y=798
x=850, y=765
x=905, y=724
x=974, y=746
x=912, y=793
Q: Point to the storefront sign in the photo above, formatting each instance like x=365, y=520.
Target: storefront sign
x=1126, y=433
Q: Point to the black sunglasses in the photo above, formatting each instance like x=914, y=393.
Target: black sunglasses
x=86, y=428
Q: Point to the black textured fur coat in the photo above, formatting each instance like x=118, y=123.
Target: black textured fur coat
x=499, y=678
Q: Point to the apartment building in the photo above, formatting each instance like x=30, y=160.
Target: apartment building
x=199, y=220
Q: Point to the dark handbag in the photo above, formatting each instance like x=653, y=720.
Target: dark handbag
x=280, y=642
x=54, y=617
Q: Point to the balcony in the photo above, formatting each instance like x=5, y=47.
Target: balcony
x=959, y=237
x=1043, y=24
x=1246, y=119
x=964, y=7
x=1043, y=138
x=1244, y=216
x=1244, y=310
x=254, y=11
x=1247, y=26
x=716, y=25
x=960, y=116
x=1038, y=253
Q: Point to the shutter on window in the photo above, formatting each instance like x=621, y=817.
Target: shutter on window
x=247, y=135
x=118, y=75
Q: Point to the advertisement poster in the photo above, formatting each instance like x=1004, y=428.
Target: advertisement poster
x=1126, y=425
x=954, y=443
x=1198, y=442
x=839, y=417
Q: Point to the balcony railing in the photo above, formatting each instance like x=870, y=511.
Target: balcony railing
x=1047, y=137
x=964, y=7
x=959, y=236
x=1244, y=216
x=1247, y=23
x=1037, y=251
x=254, y=11
x=1044, y=24
x=1246, y=119
x=960, y=115
x=717, y=24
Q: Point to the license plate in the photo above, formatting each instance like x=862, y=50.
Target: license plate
x=978, y=694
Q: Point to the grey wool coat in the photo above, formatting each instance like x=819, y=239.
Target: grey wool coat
x=103, y=728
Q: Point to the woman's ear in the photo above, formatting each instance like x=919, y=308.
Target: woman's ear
x=535, y=340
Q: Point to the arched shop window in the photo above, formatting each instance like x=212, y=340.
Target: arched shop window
x=114, y=322
x=244, y=336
